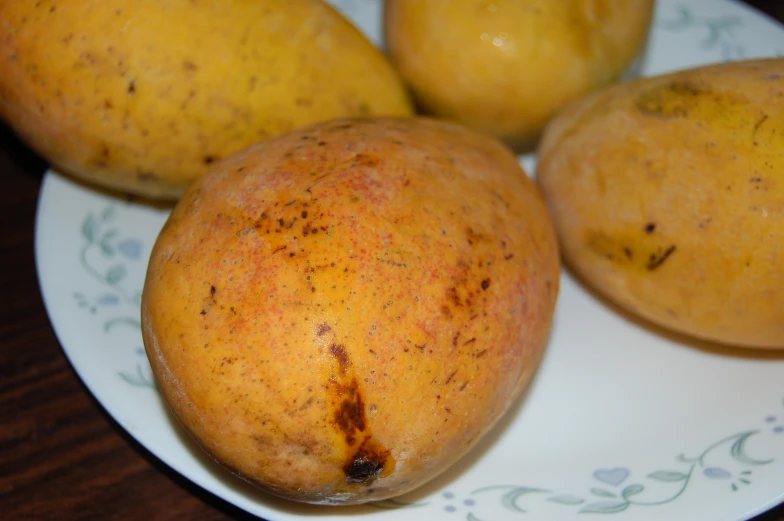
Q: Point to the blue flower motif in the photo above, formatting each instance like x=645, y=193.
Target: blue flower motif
x=450, y=497
x=108, y=299
x=716, y=473
x=131, y=248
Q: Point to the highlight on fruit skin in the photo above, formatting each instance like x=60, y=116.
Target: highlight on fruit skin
x=506, y=67
x=666, y=194
x=143, y=96
x=340, y=313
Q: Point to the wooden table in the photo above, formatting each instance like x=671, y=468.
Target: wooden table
x=61, y=455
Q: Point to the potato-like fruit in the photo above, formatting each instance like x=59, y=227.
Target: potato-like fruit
x=668, y=196
x=506, y=66
x=142, y=95
x=340, y=313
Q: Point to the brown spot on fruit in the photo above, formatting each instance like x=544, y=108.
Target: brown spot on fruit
x=657, y=259
x=323, y=329
x=485, y=284
x=340, y=353
x=350, y=415
x=363, y=468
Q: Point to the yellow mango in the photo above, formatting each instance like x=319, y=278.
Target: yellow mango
x=143, y=96
x=667, y=194
x=506, y=66
x=340, y=313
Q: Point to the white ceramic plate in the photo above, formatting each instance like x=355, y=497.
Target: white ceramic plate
x=621, y=422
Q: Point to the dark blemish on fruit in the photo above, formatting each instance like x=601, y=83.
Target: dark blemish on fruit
x=421, y=348
x=481, y=353
x=364, y=467
x=189, y=66
x=340, y=353
x=322, y=143
x=445, y=310
x=313, y=289
x=323, y=329
x=469, y=341
x=670, y=100
x=208, y=160
x=656, y=260
x=508, y=256
x=212, y=291
x=453, y=297
x=485, y=284
x=291, y=202
x=755, y=180
x=203, y=312
x=628, y=253
x=292, y=254
x=392, y=263
x=350, y=416
x=132, y=87
x=455, y=338
x=450, y=377
x=465, y=384
x=304, y=214
x=650, y=228
x=280, y=248
x=473, y=237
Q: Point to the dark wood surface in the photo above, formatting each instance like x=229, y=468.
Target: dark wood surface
x=61, y=455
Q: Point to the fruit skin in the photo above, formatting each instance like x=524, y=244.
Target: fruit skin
x=142, y=96
x=507, y=66
x=340, y=313
x=668, y=197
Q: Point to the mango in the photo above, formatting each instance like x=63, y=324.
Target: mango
x=505, y=67
x=143, y=96
x=667, y=194
x=340, y=313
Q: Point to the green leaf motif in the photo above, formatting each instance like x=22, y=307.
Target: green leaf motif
x=632, y=490
x=137, y=380
x=738, y=452
x=605, y=507
x=566, y=499
x=130, y=322
x=509, y=500
x=668, y=476
x=105, y=243
x=602, y=492
x=89, y=228
x=115, y=274
x=108, y=213
x=472, y=517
